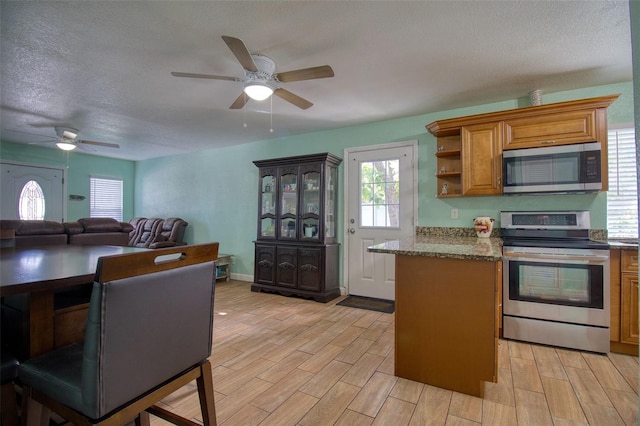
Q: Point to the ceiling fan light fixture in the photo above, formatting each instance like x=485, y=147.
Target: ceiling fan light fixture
x=257, y=90
x=66, y=146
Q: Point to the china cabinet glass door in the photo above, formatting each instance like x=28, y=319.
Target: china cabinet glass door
x=268, y=206
x=332, y=197
x=288, y=203
x=311, y=191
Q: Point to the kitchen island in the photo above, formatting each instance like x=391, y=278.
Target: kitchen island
x=447, y=310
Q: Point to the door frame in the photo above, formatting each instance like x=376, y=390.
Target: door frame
x=413, y=143
x=64, y=170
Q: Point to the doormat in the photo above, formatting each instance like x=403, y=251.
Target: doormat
x=369, y=303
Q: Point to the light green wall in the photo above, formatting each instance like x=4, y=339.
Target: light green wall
x=634, y=12
x=81, y=166
x=216, y=190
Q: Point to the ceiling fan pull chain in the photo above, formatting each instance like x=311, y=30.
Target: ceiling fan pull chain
x=245, y=110
x=271, y=114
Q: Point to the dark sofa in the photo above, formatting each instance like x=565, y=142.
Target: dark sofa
x=157, y=233
x=140, y=232
x=90, y=231
x=29, y=233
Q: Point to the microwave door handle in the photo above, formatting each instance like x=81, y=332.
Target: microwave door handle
x=589, y=259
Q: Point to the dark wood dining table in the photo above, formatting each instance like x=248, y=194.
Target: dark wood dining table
x=38, y=272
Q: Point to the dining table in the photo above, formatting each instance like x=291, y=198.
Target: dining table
x=37, y=273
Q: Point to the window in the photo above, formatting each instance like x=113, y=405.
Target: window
x=379, y=194
x=106, y=198
x=622, y=197
x=31, y=204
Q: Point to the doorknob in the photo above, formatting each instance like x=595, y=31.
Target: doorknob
x=352, y=231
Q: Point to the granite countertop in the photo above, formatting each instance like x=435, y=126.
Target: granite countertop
x=622, y=245
x=461, y=243
x=457, y=247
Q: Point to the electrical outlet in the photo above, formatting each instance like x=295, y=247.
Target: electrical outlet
x=454, y=213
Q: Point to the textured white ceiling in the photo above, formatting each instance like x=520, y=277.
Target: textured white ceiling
x=103, y=67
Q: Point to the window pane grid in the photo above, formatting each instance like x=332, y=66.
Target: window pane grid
x=32, y=202
x=622, y=197
x=379, y=194
x=106, y=198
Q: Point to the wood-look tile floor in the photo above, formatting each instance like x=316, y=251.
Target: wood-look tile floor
x=288, y=361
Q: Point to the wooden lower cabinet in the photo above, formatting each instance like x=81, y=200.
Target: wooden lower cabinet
x=446, y=331
x=625, y=335
x=629, y=314
x=309, y=271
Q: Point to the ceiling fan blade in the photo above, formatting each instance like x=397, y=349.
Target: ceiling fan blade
x=41, y=142
x=240, y=102
x=209, y=76
x=294, y=99
x=241, y=53
x=31, y=134
x=323, y=71
x=84, y=147
x=108, y=145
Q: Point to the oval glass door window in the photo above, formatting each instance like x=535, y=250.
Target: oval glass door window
x=31, y=203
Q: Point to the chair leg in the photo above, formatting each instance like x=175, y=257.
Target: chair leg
x=143, y=419
x=9, y=407
x=33, y=413
x=205, y=393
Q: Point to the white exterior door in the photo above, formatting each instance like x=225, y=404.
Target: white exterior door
x=381, y=205
x=32, y=192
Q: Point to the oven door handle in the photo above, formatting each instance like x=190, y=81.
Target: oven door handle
x=591, y=259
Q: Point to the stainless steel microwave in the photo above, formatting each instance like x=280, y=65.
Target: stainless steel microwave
x=554, y=169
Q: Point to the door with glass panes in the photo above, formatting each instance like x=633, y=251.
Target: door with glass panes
x=381, y=206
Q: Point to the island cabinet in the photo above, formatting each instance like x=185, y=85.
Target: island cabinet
x=469, y=149
x=447, y=321
x=296, y=251
x=624, y=302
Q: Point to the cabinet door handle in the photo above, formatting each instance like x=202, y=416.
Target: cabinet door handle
x=307, y=267
x=266, y=263
x=548, y=142
x=287, y=265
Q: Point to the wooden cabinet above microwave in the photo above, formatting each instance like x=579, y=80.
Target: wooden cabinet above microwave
x=562, y=123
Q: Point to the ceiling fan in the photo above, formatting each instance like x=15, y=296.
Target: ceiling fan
x=260, y=79
x=67, y=139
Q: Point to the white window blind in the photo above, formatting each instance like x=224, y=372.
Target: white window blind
x=622, y=197
x=106, y=198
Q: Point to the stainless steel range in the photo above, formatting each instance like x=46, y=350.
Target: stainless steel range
x=556, y=280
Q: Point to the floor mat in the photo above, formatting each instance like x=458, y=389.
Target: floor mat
x=369, y=303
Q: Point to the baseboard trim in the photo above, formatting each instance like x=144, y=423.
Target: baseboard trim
x=241, y=277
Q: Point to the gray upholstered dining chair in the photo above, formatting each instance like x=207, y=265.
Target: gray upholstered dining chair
x=148, y=334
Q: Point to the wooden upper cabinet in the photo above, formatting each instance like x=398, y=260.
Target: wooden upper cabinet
x=552, y=129
x=482, y=159
x=483, y=137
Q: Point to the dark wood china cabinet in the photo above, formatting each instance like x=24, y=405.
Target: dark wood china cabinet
x=296, y=251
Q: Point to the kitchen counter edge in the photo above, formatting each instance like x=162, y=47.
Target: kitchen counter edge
x=484, y=249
